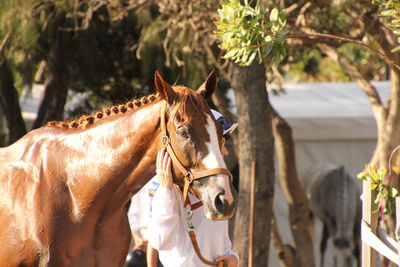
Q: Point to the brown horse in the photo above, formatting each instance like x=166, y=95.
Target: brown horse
x=64, y=187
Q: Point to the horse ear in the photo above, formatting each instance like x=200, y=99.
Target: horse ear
x=208, y=87
x=163, y=88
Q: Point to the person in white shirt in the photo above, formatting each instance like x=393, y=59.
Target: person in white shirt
x=139, y=215
x=167, y=231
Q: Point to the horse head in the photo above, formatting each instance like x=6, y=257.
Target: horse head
x=344, y=250
x=193, y=139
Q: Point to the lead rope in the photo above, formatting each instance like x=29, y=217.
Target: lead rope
x=196, y=247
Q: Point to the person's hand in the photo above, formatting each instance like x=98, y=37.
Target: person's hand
x=163, y=169
x=140, y=243
x=228, y=260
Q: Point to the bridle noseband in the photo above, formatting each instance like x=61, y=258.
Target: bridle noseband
x=187, y=173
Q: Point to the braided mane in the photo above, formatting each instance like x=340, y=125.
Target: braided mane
x=85, y=121
x=185, y=96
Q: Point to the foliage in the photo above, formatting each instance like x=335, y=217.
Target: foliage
x=391, y=13
x=247, y=32
x=101, y=56
x=376, y=177
x=184, y=30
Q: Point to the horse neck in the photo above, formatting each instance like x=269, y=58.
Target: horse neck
x=116, y=158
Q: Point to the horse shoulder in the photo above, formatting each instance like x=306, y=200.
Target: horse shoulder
x=18, y=226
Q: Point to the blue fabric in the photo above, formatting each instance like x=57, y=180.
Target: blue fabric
x=224, y=123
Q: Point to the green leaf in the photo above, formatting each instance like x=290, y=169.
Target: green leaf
x=260, y=58
x=252, y=57
x=231, y=53
x=282, y=17
x=361, y=176
x=381, y=174
x=281, y=37
x=268, y=38
x=268, y=50
x=396, y=49
x=395, y=192
x=274, y=14
x=284, y=31
x=372, y=185
x=378, y=3
x=389, y=12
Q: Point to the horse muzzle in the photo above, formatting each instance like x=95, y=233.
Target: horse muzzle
x=217, y=195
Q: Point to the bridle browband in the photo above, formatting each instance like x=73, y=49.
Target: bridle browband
x=189, y=175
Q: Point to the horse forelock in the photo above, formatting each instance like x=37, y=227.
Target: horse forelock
x=86, y=121
x=191, y=106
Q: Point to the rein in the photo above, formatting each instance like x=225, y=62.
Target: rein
x=189, y=177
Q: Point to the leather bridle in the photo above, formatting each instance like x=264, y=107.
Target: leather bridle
x=189, y=176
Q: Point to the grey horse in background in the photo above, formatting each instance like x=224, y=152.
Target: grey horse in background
x=334, y=198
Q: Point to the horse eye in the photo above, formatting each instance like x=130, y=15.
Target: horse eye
x=182, y=132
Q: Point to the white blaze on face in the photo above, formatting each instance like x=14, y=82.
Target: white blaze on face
x=214, y=158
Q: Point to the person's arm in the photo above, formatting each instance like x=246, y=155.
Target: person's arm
x=134, y=222
x=163, y=230
x=151, y=256
x=139, y=242
x=230, y=258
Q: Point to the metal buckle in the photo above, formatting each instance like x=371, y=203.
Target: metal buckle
x=165, y=140
x=188, y=177
x=189, y=220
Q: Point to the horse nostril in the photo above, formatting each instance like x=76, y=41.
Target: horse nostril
x=219, y=202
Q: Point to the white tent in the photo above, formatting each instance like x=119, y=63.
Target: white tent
x=332, y=123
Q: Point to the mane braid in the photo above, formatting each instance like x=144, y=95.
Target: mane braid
x=85, y=121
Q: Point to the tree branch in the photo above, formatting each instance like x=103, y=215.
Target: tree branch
x=285, y=252
x=348, y=40
x=354, y=73
x=4, y=42
x=297, y=200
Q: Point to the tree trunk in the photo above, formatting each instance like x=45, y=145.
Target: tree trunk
x=10, y=105
x=256, y=144
x=297, y=200
x=52, y=106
